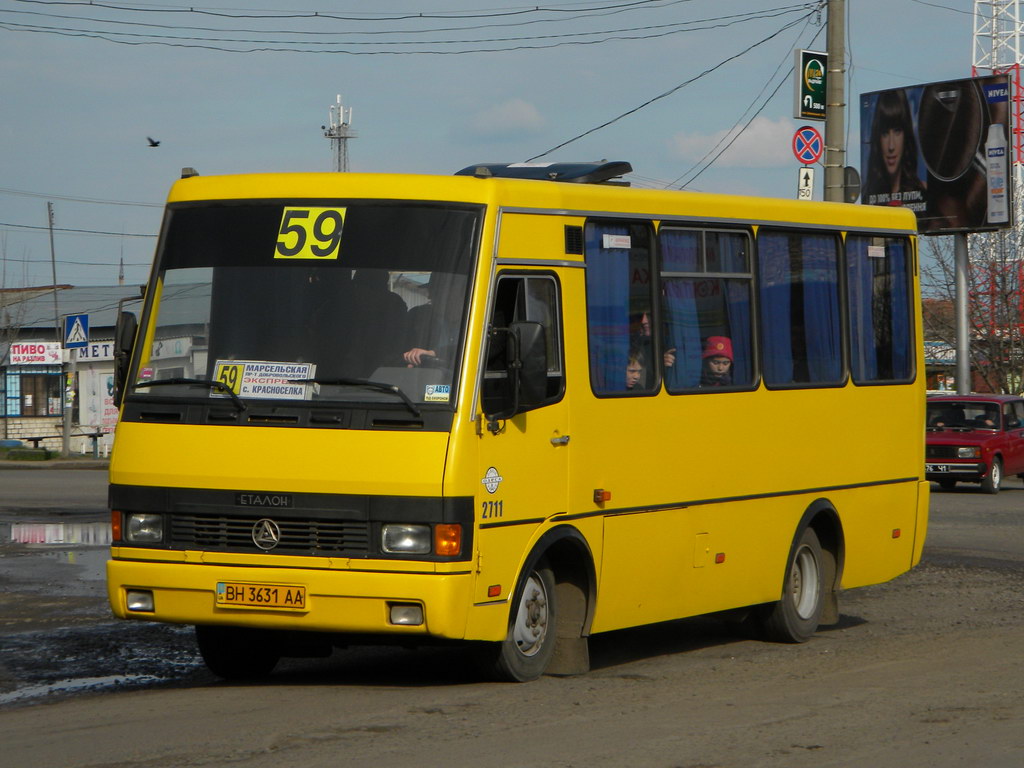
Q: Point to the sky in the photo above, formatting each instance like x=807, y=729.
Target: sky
x=241, y=86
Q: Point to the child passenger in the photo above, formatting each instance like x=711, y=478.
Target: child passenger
x=634, y=368
x=716, y=370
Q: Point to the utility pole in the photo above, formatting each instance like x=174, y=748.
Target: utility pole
x=339, y=132
x=67, y=375
x=835, y=103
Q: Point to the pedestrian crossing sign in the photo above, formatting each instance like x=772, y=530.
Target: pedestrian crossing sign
x=76, y=331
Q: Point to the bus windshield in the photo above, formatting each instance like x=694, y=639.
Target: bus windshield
x=309, y=300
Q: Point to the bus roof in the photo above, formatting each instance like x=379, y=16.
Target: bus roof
x=543, y=196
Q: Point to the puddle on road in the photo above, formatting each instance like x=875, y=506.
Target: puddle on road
x=81, y=685
x=79, y=544
x=90, y=534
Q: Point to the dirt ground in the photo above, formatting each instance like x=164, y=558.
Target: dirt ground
x=927, y=670
x=924, y=671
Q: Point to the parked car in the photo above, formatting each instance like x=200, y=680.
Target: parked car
x=974, y=439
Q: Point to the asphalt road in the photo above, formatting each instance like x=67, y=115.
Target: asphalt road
x=923, y=671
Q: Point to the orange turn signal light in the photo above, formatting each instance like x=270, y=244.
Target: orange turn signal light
x=601, y=495
x=115, y=525
x=447, y=539
x=896, y=533
x=494, y=590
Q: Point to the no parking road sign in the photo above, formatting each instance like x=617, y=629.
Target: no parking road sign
x=808, y=145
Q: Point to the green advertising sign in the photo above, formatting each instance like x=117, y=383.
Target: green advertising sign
x=811, y=76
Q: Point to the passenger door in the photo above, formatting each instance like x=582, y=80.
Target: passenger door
x=523, y=460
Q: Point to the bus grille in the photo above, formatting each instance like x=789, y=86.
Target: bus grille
x=307, y=537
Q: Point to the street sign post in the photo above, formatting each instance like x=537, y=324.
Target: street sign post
x=808, y=146
x=805, y=184
x=811, y=78
x=76, y=331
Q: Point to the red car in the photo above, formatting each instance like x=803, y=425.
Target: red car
x=974, y=439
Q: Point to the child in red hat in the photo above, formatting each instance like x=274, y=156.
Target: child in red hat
x=717, y=367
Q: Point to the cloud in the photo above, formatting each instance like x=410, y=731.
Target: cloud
x=764, y=144
x=510, y=119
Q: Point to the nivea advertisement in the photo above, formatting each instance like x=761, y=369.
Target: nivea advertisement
x=943, y=150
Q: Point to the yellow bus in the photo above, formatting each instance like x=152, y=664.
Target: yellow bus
x=514, y=407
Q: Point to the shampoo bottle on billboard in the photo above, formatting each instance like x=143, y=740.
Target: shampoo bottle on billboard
x=995, y=170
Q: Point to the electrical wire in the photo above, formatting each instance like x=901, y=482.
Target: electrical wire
x=205, y=42
x=69, y=198
x=671, y=91
x=8, y=225
x=376, y=17
x=764, y=104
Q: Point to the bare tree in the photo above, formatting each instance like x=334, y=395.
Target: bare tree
x=995, y=282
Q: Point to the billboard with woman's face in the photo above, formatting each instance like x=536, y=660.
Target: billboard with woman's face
x=942, y=150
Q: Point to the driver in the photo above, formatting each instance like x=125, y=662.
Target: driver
x=430, y=329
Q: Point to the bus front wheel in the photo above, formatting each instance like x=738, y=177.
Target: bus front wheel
x=525, y=653
x=237, y=653
x=795, y=618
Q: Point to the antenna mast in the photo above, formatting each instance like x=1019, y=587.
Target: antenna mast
x=996, y=261
x=339, y=132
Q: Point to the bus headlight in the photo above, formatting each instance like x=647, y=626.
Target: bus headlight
x=968, y=452
x=144, y=528
x=406, y=539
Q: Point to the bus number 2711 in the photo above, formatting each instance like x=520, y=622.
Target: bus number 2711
x=490, y=509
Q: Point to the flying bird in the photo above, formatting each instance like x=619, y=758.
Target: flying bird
x=152, y=142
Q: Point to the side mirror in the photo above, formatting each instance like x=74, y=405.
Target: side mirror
x=124, y=339
x=525, y=368
x=533, y=364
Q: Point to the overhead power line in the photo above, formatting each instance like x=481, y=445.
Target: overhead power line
x=729, y=137
x=276, y=15
x=673, y=90
x=70, y=198
x=75, y=231
x=228, y=40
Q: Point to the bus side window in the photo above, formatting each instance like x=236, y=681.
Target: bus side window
x=623, y=357
x=706, y=300
x=799, y=304
x=533, y=298
x=878, y=284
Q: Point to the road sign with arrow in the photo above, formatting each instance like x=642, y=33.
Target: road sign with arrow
x=805, y=184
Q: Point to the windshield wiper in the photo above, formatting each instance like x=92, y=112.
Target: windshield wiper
x=215, y=385
x=380, y=386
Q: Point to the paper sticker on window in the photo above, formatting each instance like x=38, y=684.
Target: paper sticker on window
x=436, y=393
x=876, y=251
x=264, y=379
x=617, y=241
x=310, y=233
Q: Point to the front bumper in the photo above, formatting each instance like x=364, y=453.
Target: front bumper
x=341, y=601
x=968, y=471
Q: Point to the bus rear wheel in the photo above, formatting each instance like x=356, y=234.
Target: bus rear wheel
x=526, y=652
x=237, y=653
x=795, y=618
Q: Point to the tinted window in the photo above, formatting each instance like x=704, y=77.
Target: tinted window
x=619, y=308
x=706, y=288
x=878, y=290
x=799, y=304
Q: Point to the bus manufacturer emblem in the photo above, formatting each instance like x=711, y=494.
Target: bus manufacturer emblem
x=266, y=534
x=492, y=480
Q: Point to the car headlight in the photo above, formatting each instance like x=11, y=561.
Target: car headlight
x=968, y=452
x=144, y=528
x=406, y=539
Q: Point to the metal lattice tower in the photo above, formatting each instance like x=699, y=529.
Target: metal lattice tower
x=339, y=132
x=994, y=257
x=997, y=50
